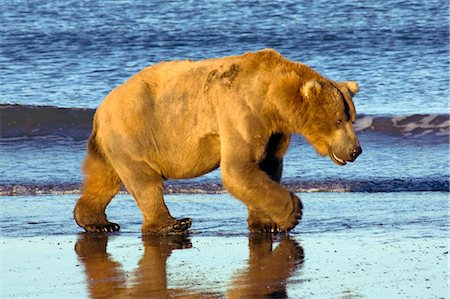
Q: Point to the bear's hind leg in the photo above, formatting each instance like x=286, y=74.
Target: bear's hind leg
x=146, y=186
x=100, y=185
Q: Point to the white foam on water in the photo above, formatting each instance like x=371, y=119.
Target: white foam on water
x=424, y=123
x=363, y=123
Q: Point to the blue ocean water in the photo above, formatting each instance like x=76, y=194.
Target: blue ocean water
x=72, y=53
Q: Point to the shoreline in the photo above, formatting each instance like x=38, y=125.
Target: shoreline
x=213, y=186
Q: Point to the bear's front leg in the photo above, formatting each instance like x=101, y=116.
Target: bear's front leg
x=245, y=140
x=262, y=195
x=258, y=221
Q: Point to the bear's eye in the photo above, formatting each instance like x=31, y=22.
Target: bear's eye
x=338, y=122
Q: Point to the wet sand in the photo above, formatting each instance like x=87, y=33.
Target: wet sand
x=349, y=245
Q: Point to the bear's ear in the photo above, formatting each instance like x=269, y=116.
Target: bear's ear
x=311, y=88
x=352, y=86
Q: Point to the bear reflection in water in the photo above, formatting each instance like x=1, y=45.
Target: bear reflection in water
x=266, y=274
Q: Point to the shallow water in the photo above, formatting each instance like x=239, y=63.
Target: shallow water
x=353, y=245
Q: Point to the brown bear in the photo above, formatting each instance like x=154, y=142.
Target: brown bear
x=182, y=119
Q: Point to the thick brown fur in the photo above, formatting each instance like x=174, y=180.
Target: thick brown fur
x=182, y=119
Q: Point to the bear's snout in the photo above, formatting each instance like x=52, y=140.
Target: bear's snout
x=343, y=155
x=355, y=152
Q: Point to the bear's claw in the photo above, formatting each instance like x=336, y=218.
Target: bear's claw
x=267, y=228
x=102, y=228
x=182, y=224
x=174, y=227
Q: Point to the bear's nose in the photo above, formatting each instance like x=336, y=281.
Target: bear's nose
x=355, y=153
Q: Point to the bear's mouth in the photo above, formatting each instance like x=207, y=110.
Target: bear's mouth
x=336, y=159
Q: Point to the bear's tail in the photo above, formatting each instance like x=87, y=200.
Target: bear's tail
x=96, y=161
x=93, y=147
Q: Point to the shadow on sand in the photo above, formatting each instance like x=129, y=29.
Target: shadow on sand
x=264, y=276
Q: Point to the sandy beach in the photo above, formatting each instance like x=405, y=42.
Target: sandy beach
x=393, y=246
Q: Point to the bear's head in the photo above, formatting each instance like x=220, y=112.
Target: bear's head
x=327, y=121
